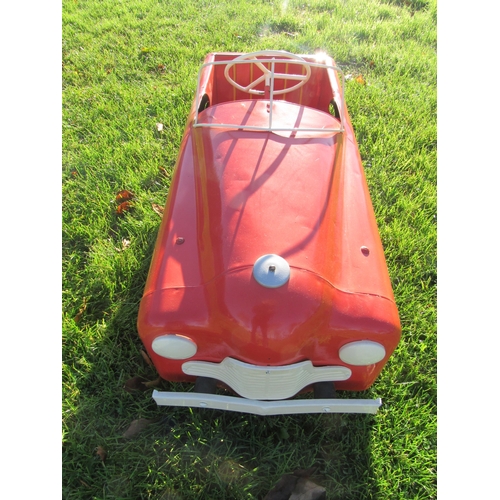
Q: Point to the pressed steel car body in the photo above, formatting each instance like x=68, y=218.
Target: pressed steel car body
x=268, y=274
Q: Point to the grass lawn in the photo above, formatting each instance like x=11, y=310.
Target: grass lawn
x=129, y=65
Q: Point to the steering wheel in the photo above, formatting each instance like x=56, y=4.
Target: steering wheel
x=269, y=74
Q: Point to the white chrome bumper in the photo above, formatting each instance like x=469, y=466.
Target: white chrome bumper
x=287, y=407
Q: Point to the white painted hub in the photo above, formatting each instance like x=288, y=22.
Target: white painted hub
x=271, y=270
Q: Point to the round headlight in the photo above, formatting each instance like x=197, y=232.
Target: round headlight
x=362, y=353
x=173, y=346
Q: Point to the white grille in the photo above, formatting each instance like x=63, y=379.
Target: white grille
x=266, y=382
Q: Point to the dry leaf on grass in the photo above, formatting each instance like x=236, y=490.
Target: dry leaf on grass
x=135, y=384
x=125, y=245
x=361, y=80
x=124, y=195
x=297, y=486
x=124, y=207
x=146, y=358
x=159, y=127
x=136, y=427
x=283, y=488
x=305, y=472
x=140, y=384
x=307, y=490
x=101, y=452
x=158, y=209
x=78, y=316
x=153, y=383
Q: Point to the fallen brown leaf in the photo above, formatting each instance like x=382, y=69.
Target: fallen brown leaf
x=146, y=358
x=84, y=483
x=125, y=245
x=124, y=195
x=158, y=209
x=163, y=170
x=305, y=472
x=123, y=207
x=135, y=384
x=101, y=452
x=136, y=427
x=283, y=488
x=307, y=490
x=361, y=80
x=153, y=383
x=297, y=486
x=78, y=316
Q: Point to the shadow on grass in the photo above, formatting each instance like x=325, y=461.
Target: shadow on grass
x=184, y=453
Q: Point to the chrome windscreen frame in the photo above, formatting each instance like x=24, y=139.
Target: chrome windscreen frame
x=273, y=60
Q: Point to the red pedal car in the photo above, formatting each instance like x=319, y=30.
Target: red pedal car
x=268, y=276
